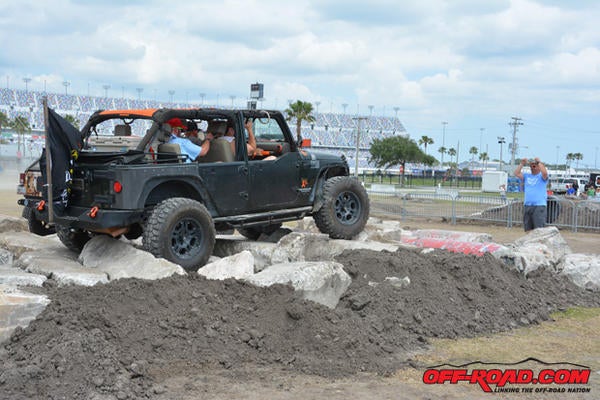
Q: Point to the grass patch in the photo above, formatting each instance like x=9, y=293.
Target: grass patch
x=577, y=313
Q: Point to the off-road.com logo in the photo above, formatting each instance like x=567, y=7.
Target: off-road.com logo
x=496, y=379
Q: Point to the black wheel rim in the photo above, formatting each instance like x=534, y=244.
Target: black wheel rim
x=186, y=238
x=347, y=208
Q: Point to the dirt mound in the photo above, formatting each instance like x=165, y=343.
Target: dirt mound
x=122, y=339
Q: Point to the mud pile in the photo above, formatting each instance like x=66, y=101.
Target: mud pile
x=120, y=340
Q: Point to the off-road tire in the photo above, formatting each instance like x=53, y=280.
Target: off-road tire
x=182, y=231
x=254, y=232
x=35, y=225
x=345, y=208
x=73, y=239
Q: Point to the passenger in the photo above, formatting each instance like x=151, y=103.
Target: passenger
x=191, y=150
x=193, y=133
x=230, y=137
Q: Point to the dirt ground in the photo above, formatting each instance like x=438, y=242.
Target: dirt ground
x=190, y=338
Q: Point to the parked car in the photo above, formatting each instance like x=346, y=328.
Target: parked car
x=560, y=186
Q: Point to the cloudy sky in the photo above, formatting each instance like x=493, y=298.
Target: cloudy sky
x=471, y=63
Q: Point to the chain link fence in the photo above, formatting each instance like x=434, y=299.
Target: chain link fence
x=451, y=206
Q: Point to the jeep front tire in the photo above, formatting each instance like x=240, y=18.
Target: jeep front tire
x=182, y=231
x=345, y=208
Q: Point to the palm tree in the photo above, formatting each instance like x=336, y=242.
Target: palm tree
x=424, y=141
x=473, y=152
x=300, y=111
x=452, y=153
x=577, y=157
x=443, y=151
x=485, y=158
x=21, y=125
x=570, y=158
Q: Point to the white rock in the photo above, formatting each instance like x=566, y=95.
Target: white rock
x=18, y=309
x=322, y=282
x=583, y=270
x=119, y=259
x=237, y=266
x=12, y=224
x=55, y=264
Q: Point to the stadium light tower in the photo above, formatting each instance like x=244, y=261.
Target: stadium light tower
x=106, y=87
x=171, y=93
x=317, y=103
x=344, y=105
x=501, y=141
x=202, y=96
x=139, y=90
x=371, y=110
x=232, y=97
x=26, y=80
x=66, y=85
x=357, y=119
x=444, y=123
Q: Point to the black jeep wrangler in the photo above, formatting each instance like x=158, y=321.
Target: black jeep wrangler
x=142, y=185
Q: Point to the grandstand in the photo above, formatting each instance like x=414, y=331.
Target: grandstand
x=331, y=132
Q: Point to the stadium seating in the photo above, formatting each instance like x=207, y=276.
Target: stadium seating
x=331, y=132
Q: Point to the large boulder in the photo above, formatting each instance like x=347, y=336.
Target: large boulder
x=59, y=264
x=238, y=266
x=119, y=259
x=13, y=224
x=18, y=308
x=323, y=282
x=583, y=270
x=20, y=242
x=540, y=248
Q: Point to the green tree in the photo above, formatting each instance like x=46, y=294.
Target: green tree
x=577, y=157
x=473, y=152
x=72, y=120
x=425, y=141
x=484, y=157
x=452, y=153
x=397, y=150
x=4, y=121
x=300, y=111
x=21, y=126
x=570, y=157
x=443, y=151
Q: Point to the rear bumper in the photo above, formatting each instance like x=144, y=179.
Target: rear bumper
x=84, y=218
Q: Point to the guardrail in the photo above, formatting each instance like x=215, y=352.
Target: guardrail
x=453, y=207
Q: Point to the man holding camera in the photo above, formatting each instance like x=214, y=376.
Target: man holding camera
x=536, y=197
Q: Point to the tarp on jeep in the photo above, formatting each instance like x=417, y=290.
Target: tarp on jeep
x=64, y=142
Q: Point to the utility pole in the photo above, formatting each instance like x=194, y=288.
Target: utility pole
x=515, y=123
x=357, y=119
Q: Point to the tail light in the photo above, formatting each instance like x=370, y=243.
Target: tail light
x=22, y=178
x=117, y=187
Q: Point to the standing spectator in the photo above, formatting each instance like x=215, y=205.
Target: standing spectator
x=503, y=192
x=536, y=198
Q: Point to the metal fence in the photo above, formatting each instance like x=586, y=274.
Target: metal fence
x=450, y=206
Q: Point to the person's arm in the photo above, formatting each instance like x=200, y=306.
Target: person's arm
x=518, y=173
x=251, y=139
x=543, y=169
x=205, y=147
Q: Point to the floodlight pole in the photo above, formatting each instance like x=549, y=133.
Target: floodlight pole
x=357, y=119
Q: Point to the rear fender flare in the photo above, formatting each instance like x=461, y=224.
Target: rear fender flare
x=159, y=189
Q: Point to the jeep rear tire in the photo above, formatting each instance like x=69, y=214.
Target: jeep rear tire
x=182, y=231
x=73, y=239
x=345, y=208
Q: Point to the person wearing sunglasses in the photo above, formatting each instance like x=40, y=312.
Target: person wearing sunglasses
x=536, y=197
